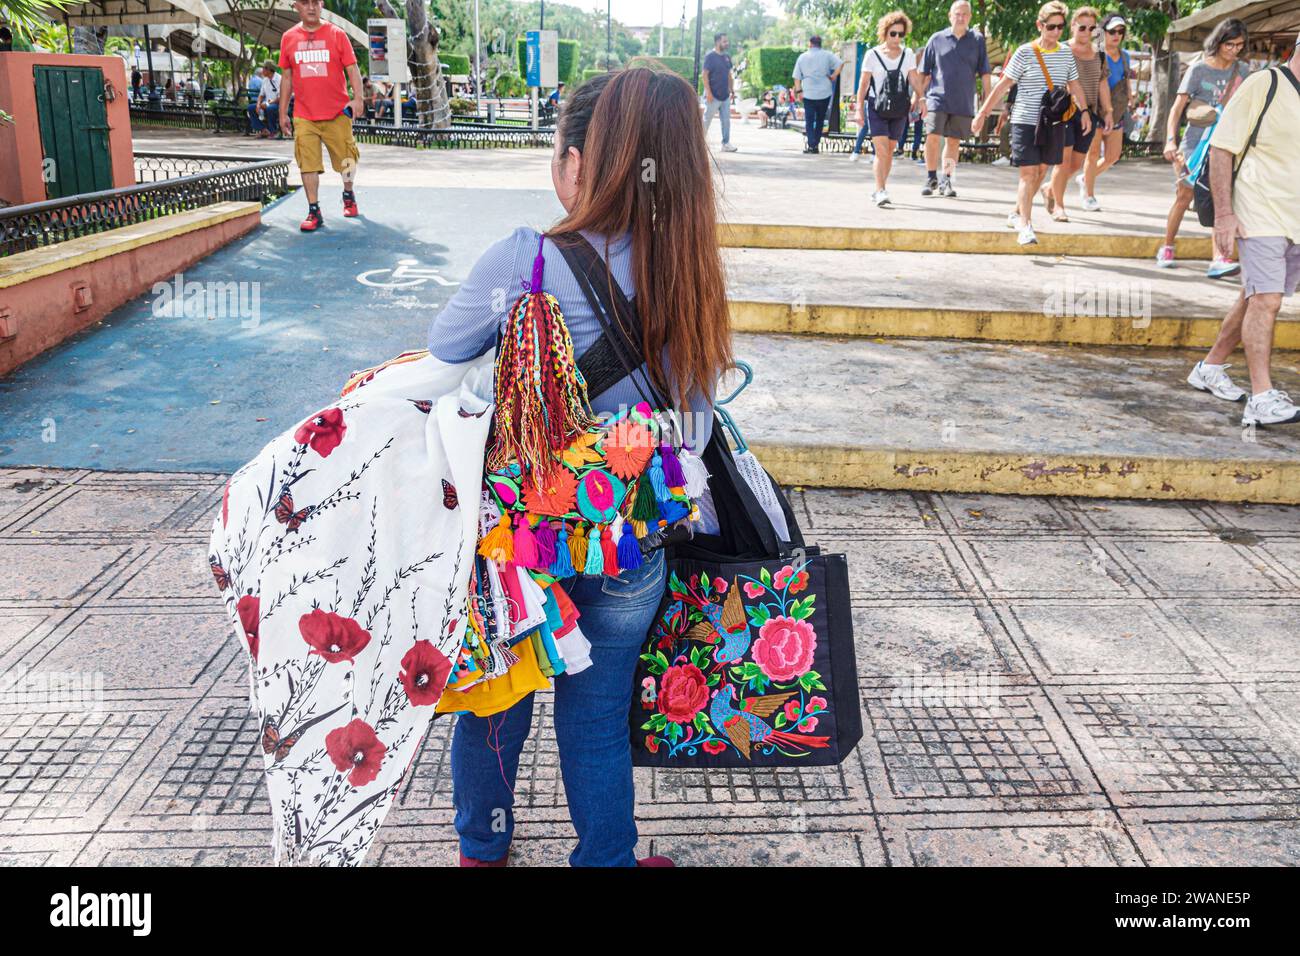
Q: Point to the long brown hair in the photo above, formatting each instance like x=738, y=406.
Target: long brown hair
x=645, y=170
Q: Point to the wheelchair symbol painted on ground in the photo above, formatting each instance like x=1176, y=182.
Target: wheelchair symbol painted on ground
x=406, y=275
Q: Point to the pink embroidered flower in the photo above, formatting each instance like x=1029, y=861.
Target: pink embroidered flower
x=786, y=575
x=652, y=743
x=808, y=725
x=791, y=710
x=815, y=705
x=784, y=649
x=424, y=673
x=599, y=490
x=683, y=692
x=333, y=637
x=323, y=431
x=753, y=590
x=714, y=746
x=356, y=749
x=720, y=585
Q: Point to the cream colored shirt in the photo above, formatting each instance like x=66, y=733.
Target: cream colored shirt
x=1266, y=198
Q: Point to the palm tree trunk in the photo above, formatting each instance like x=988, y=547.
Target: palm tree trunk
x=89, y=40
x=422, y=57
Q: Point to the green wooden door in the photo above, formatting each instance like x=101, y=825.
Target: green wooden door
x=74, y=130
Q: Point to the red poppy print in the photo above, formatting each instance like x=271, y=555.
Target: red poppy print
x=714, y=746
x=356, y=750
x=424, y=673
x=333, y=637
x=323, y=431
x=249, y=610
x=784, y=649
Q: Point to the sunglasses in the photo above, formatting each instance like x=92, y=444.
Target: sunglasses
x=1085, y=29
x=1054, y=26
x=896, y=33
x=1118, y=32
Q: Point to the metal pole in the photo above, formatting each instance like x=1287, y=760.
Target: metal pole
x=148, y=56
x=541, y=20
x=699, y=33
x=478, y=82
x=198, y=33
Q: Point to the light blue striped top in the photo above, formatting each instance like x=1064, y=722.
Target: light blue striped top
x=467, y=325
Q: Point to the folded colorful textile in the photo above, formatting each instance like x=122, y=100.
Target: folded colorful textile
x=344, y=555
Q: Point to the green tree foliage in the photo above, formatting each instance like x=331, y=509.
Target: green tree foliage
x=566, y=69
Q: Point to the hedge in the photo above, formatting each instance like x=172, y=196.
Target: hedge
x=771, y=65
x=454, y=63
x=568, y=59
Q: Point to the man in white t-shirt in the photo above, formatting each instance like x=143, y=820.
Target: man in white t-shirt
x=268, y=100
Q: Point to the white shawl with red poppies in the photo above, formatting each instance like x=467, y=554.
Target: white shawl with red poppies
x=343, y=553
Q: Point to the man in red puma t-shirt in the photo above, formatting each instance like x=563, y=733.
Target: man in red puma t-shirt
x=318, y=65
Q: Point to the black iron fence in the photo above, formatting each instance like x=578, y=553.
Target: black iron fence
x=152, y=167
x=57, y=220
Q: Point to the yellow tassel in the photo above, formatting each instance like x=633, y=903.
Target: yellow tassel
x=638, y=528
x=578, y=547
x=498, y=544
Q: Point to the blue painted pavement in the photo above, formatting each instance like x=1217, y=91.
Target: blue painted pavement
x=200, y=381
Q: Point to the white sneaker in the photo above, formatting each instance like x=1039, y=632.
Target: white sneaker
x=1273, y=407
x=1214, y=379
x=1083, y=189
x=1001, y=161
x=1027, y=237
x=728, y=148
x=880, y=197
x=1165, y=257
x=1013, y=220
x=1090, y=204
x=853, y=157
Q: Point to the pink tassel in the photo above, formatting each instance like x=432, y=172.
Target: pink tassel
x=525, y=543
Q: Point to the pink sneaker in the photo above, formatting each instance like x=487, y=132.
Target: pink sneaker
x=655, y=861
x=470, y=861
x=1165, y=257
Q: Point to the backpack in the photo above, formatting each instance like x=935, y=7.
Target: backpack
x=1202, y=197
x=892, y=100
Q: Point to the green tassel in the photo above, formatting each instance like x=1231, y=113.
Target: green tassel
x=645, y=507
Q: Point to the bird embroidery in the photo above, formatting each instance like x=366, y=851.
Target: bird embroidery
x=746, y=726
x=725, y=625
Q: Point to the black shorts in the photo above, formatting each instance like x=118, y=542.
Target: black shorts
x=1076, y=138
x=1025, y=152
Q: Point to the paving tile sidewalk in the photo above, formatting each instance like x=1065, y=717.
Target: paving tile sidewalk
x=1147, y=688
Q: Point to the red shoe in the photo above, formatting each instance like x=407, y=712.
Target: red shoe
x=313, y=221
x=470, y=861
x=350, y=207
x=655, y=861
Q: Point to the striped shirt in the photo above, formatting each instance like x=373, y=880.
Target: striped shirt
x=1030, y=85
x=467, y=325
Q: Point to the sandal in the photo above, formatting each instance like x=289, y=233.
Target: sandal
x=1048, y=199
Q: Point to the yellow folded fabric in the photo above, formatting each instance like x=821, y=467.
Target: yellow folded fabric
x=500, y=693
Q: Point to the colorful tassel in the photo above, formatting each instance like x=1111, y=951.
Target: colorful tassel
x=672, y=511
x=595, y=563
x=695, y=473
x=629, y=551
x=657, y=481
x=640, y=528
x=545, y=538
x=644, y=506
x=578, y=548
x=673, y=476
x=525, y=543
x=609, y=550
x=498, y=545
x=562, y=565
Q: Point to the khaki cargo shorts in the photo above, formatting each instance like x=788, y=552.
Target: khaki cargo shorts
x=335, y=134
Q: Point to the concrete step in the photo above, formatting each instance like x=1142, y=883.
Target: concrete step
x=1006, y=419
x=1041, y=299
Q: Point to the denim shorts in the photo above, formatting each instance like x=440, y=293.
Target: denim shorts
x=895, y=129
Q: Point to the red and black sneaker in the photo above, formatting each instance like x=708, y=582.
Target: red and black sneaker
x=313, y=221
x=350, y=206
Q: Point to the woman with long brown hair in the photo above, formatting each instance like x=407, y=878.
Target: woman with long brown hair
x=631, y=170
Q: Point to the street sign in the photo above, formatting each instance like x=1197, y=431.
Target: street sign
x=542, y=58
x=388, y=50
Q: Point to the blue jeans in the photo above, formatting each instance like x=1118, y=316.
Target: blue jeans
x=814, y=115
x=591, y=710
x=862, y=135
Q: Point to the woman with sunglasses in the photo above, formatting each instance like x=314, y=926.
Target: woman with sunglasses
x=1026, y=70
x=1081, y=146
x=1207, y=84
x=882, y=65
x=1119, y=75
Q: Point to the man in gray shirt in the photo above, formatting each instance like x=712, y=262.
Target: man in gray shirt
x=952, y=60
x=815, y=73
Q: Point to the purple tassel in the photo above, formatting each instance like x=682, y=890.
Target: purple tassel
x=538, y=265
x=673, y=476
x=545, y=538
